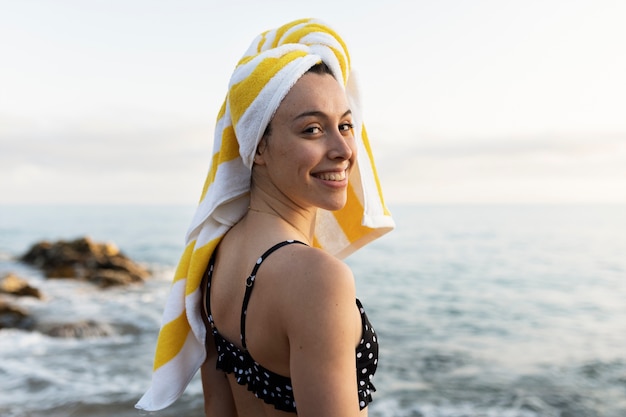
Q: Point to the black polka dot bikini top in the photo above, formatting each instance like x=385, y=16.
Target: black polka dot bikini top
x=271, y=387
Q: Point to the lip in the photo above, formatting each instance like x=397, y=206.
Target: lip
x=332, y=170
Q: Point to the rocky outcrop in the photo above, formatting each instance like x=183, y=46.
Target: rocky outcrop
x=100, y=263
x=13, y=285
x=14, y=317
x=79, y=330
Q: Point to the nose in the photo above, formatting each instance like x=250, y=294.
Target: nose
x=342, y=146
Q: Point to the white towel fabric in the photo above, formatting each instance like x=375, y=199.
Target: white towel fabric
x=271, y=66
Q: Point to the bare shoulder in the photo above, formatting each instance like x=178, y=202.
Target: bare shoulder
x=309, y=271
x=312, y=284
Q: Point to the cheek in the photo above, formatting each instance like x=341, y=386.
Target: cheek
x=304, y=155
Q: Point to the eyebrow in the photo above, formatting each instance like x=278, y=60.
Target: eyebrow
x=319, y=113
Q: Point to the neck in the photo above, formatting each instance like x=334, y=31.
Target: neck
x=300, y=222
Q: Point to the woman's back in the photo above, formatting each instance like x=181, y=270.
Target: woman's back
x=301, y=298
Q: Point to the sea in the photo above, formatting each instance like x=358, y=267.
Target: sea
x=481, y=311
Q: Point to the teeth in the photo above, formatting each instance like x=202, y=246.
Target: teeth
x=333, y=176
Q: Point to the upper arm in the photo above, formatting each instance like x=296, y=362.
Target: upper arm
x=218, y=397
x=322, y=328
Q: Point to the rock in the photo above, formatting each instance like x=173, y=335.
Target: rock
x=14, y=317
x=80, y=330
x=101, y=263
x=13, y=285
x=109, y=278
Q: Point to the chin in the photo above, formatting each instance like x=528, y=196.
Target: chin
x=334, y=205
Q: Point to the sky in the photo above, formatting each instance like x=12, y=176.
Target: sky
x=466, y=101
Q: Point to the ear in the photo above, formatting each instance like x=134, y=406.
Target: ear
x=260, y=150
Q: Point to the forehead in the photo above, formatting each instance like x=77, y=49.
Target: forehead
x=314, y=92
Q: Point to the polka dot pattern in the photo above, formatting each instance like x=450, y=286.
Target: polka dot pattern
x=271, y=387
x=366, y=359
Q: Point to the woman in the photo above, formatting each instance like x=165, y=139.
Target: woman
x=291, y=190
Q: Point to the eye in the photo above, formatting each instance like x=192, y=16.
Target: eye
x=313, y=130
x=346, y=127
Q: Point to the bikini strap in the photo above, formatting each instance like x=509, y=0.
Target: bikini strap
x=208, y=276
x=250, y=284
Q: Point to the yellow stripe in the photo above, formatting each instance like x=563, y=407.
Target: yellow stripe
x=183, y=264
x=281, y=31
x=349, y=217
x=230, y=147
x=295, y=37
x=262, y=41
x=229, y=150
x=245, y=60
x=342, y=64
x=246, y=91
x=199, y=262
x=366, y=143
x=173, y=334
x=171, y=340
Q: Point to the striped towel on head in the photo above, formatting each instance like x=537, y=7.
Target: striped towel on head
x=271, y=66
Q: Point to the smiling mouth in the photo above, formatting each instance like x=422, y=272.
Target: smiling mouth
x=332, y=176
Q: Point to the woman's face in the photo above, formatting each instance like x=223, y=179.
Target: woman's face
x=311, y=148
